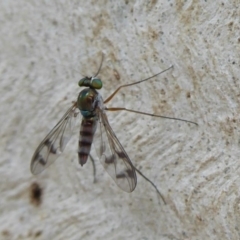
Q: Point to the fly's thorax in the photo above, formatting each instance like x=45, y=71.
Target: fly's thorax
x=87, y=102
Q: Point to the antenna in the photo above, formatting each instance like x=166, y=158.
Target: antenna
x=100, y=65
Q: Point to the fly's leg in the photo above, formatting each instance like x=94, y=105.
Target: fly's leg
x=147, y=114
x=94, y=168
x=148, y=180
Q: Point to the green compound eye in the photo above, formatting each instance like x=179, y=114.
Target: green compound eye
x=82, y=82
x=96, y=83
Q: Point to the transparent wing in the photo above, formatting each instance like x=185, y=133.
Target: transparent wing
x=113, y=156
x=54, y=143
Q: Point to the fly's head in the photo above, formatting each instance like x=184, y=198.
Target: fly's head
x=92, y=82
x=88, y=97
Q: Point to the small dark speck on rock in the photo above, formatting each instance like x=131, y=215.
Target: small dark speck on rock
x=36, y=193
x=38, y=233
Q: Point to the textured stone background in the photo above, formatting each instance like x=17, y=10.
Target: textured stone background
x=47, y=46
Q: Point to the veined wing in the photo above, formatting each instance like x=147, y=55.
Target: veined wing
x=113, y=156
x=54, y=143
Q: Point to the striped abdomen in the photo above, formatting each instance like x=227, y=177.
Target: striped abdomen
x=87, y=130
